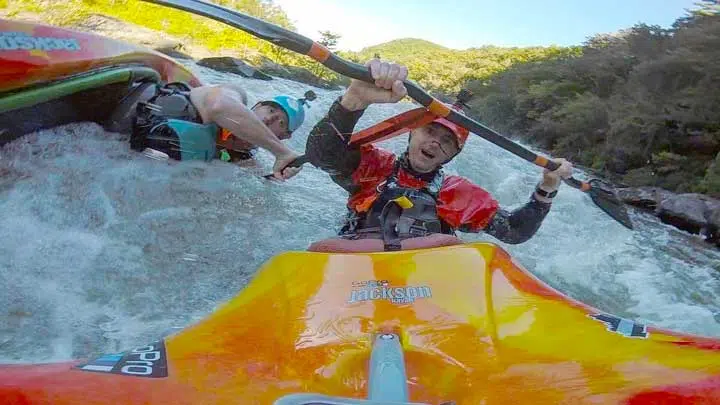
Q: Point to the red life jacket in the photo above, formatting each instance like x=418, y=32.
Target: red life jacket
x=452, y=201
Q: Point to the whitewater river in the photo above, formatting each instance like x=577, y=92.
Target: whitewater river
x=103, y=249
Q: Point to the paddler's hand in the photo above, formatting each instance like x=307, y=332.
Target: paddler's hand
x=388, y=86
x=552, y=179
x=281, y=171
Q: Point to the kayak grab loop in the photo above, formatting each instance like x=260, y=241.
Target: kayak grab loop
x=387, y=382
x=387, y=370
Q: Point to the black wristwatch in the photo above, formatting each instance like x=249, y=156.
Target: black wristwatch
x=544, y=193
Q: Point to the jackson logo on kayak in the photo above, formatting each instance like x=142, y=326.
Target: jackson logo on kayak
x=146, y=361
x=375, y=290
x=11, y=41
x=622, y=326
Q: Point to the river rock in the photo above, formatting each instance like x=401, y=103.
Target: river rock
x=174, y=52
x=694, y=213
x=233, y=65
x=297, y=74
x=644, y=197
x=117, y=29
x=712, y=215
x=686, y=211
x=127, y=32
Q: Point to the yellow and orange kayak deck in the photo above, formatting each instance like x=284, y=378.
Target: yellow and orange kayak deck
x=474, y=326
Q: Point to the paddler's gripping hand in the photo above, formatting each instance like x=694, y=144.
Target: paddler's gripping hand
x=281, y=171
x=388, y=86
x=551, y=180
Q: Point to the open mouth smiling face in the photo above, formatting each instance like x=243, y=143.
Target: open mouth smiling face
x=430, y=147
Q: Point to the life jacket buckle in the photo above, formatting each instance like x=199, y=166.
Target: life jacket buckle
x=404, y=202
x=381, y=187
x=152, y=107
x=351, y=223
x=418, y=230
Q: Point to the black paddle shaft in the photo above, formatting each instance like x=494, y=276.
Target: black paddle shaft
x=300, y=44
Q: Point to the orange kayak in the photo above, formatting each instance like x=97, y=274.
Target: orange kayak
x=460, y=324
x=52, y=76
x=33, y=54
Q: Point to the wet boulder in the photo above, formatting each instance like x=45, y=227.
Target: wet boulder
x=234, y=65
x=695, y=213
x=712, y=230
x=173, y=51
x=643, y=197
x=297, y=74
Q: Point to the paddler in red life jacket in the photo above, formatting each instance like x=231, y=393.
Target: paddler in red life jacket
x=408, y=202
x=213, y=122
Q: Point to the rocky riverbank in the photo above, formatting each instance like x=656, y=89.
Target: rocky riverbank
x=691, y=212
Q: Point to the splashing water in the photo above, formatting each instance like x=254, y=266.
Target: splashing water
x=104, y=249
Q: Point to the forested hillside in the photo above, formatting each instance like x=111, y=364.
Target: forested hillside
x=642, y=106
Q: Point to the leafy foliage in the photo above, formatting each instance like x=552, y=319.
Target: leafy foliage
x=436, y=68
x=641, y=105
x=444, y=71
x=186, y=26
x=329, y=39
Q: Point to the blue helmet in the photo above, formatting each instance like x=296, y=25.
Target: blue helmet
x=294, y=108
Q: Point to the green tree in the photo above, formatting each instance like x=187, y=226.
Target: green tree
x=329, y=39
x=637, y=104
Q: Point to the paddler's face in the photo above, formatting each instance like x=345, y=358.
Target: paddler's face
x=430, y=147
x=274, y=118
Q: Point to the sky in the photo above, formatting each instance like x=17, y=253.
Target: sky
x=462, y=24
